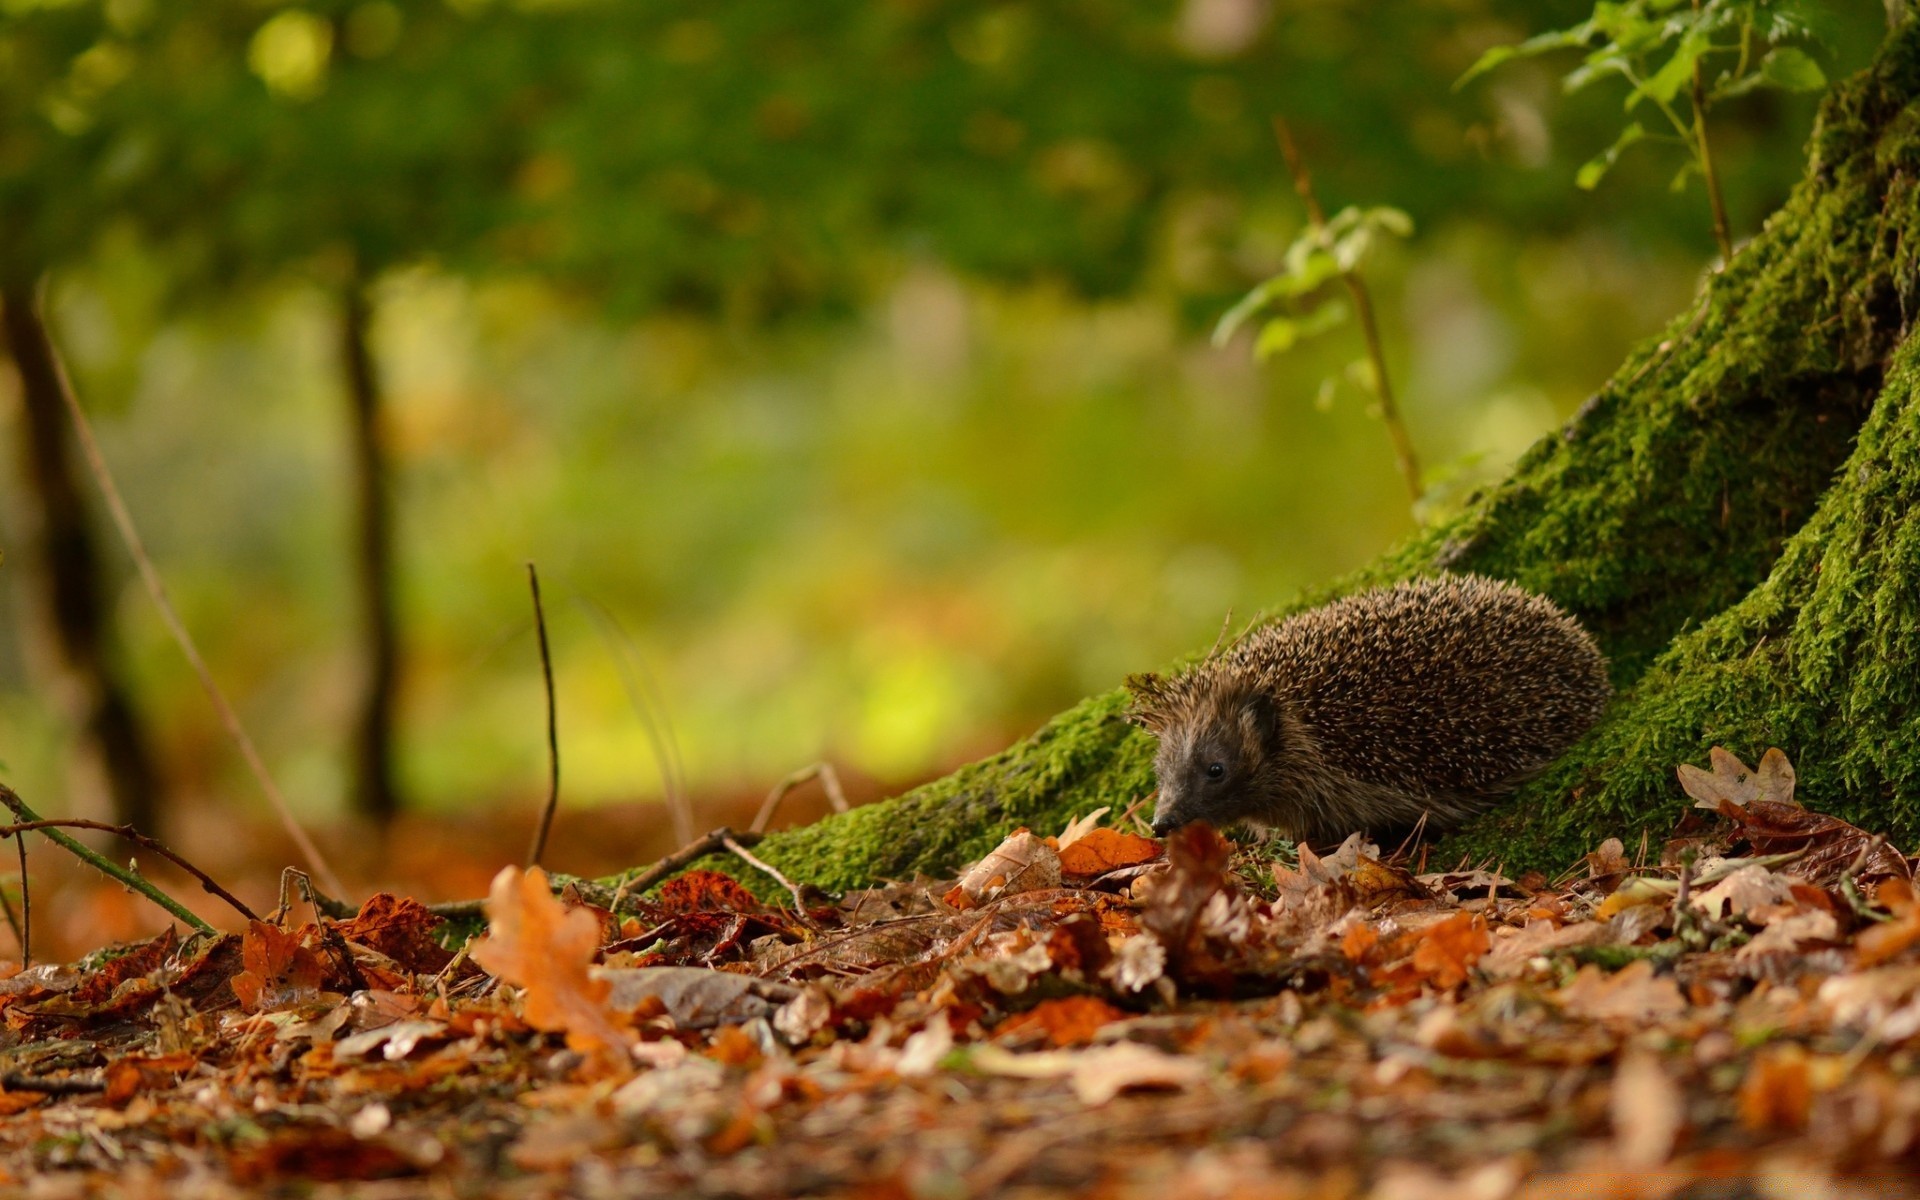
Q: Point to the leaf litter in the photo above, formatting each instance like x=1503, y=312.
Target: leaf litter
x=1082, y=1013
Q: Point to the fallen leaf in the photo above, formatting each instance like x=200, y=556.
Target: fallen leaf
x=1067, y=1021
x=1733, y=782
x=1101, y=850
x=131, y=1074
x=1747, y=888
x=696, y=997
x=1648, y=1110
x=1098, y=1074
x=1777, y=1093
x=1828, y=846
x=1449, y=949
x=280, y=972
x=1634, y=994
x=539, y=945
x=1020, y=863
x=394, y=1042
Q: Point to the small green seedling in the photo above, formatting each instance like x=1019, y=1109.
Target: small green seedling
x=1293, y=306
x=1710, y=50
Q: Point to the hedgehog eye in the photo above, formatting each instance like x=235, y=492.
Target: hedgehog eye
x=1216, y=770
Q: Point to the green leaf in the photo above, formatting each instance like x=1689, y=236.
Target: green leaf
x=1249, y=304
x=1390, y=220
x=1793, y=70
x=1554, y=39
x=1663, y=85
x=1350, y=250
x=1276, y=337
x=1281, y=334
x=1595, y=169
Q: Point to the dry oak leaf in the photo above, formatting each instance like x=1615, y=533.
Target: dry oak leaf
x=546, y=949
x=1634, y=994
x=280, y=972
x=1733, y=782
x=1449, y=949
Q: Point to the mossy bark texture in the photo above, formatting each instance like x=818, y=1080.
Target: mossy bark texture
x=1733, y=515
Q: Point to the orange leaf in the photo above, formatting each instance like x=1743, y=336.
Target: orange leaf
x=1067, y=1021
x=1778, y=1090
x=280, y=972
x=1358, y=942
x=1447, y=950
x=546, y=949
x=1101, y=850
x=1882, y=942
x=134, y=1073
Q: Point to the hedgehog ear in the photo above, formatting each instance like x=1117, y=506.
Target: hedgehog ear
x=1259, y=716
x=1149, y=695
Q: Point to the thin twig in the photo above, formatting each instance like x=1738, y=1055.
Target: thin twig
x=553, y=728
x=611, y=898
x=1721, y=233
x=700, y=847
x=650, y=706
x=1362, y=309
x=32, y=821
x=829, y=783
x=65, y=1085
x=740, y=852
x=26, y=907
x=157, y=589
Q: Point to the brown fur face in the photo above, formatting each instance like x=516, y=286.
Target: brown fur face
x=1220, y=746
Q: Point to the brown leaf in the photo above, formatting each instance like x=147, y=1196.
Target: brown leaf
x=131, y=1074
x=1448, y=950
x=1777, y=1093
x=1199, y=859
x=1888, y=939
x=1067, y=1021
x=539, y=945
x=1101, y=850
x=1831, y=845
x=1648, y=1110
x=1021, y=863
x=704, y=891
x=400, y=928
x=1635, y=994
x=280, y=972
x=1733, y=782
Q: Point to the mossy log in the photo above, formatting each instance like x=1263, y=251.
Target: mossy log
x=1730, y=515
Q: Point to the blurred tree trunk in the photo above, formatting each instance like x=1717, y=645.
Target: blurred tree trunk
x=1733, y=515
x=78, y=609
x=375, y=793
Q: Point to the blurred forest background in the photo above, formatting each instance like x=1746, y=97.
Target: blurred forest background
x=845, y=367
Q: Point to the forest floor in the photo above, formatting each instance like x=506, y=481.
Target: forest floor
x=1734, y=1013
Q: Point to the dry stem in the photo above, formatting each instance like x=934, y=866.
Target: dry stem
x=33, y=821
x=1363, y=311
x=150, y=576
x=553, y=729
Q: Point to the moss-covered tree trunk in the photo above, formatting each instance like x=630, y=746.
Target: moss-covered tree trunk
x=1732, y=515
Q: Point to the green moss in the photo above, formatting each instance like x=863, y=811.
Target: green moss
x=1084, y=758
x=1668, y=516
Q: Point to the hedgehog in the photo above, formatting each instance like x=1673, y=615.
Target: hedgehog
x=1402, y=708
